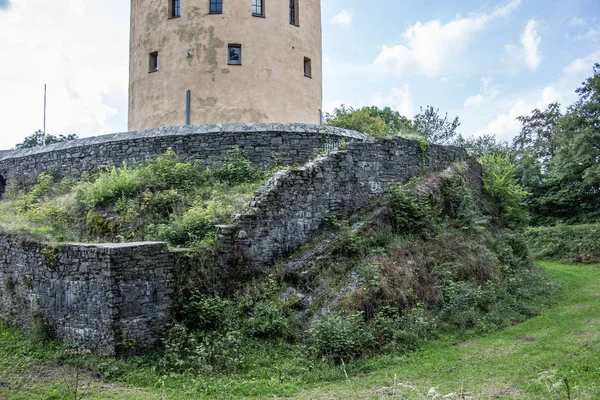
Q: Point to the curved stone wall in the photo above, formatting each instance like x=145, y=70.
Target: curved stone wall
x=264, y=144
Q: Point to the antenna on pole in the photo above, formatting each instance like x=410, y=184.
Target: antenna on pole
x=44, y=132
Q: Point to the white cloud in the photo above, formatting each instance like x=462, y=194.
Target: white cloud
x=399, y=99
x=528, y=53
x=505, y=126
x=577, y=22
x=343, y=18
x=432, y=44
x=591, y=34
x=67, y=46
x=489, y=91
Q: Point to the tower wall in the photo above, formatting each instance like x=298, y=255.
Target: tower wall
x=268, y=86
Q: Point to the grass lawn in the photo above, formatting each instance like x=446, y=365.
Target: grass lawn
x=538, y=359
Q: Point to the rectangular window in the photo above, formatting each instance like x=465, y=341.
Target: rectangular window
x=154, y=61
x=234, y=54
x=216, y=6
x=257, y=8
x=175, y=6
x=294, y=13
x=307, y=67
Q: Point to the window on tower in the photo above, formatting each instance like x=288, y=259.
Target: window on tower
x=307, y=67
x=234, y=54
x=154, y=61
x=257, y=8
x=216, y=6
x=294, y=12
x=175, y=8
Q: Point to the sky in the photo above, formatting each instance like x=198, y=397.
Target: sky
x=485, y=61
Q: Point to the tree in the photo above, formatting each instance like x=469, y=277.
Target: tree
x=372, y=120
x=539, y=134
x=558, y=158
x=435, y=128
x=483, y=145
x=37, y=139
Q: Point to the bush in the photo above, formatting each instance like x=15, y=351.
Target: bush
x=236, y=168
x=501, y=184
x=116, y=183
x=410, y=210
x=570, y=243
x=339, y=338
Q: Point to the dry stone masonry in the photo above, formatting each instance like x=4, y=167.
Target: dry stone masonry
x=264, y=144
x=100, y=297
x=108, y=298
x=290, y=210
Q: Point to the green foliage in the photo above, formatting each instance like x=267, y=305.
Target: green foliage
x=500, y=182
x=434, y=128
x=410, y=211
x=339, y=338
x=161, y=199
x=573, y=243
x=482, y=145
x=558, y=158
x=114, y=184
x=237, y=169
x=361, y=120
x=37, y=139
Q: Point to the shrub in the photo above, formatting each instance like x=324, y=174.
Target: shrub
x=579, y=243
x=502, y=185
x=236, y=168
x=410, y=210
x=115, y=183
x=339, y=338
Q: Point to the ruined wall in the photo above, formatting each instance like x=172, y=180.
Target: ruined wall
x=268, y=86
x=264, y=144
x=292, y=207
x=100, y=297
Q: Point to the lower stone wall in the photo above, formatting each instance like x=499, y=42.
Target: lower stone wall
x=292, y=207
x=101, y=297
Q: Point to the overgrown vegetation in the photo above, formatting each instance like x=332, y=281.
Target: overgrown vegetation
x=570, y=243
x=427, y=125
x=163, y=199
x=422, y=263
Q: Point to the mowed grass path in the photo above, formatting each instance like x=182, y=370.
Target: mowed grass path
x=527, y=361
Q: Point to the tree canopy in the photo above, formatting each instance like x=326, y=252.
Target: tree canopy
x=37, y=139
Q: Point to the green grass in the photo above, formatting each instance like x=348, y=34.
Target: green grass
x=527, y=361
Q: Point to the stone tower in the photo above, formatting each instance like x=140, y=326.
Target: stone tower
x=224, y=61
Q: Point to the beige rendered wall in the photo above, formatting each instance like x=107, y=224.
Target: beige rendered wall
x=269, y=86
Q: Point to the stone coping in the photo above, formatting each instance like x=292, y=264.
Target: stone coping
x=241, y=128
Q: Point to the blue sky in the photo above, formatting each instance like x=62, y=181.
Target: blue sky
x=486, y=61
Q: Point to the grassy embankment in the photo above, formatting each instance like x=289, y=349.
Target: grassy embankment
x=555, y=355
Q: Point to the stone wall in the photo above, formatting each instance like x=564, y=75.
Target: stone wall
x=264, y=144
x=293, y=205
x=106, y=298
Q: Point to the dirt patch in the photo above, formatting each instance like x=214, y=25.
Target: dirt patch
x=525, y=338
x=510, y=392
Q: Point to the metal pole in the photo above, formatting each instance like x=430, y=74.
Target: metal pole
x=320, y=117
x=188, y=106
x=44, y=132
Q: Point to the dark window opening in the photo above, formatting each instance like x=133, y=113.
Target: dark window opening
x=294, y=13
x=2, y=186
x=154, y=61
x=307, y=67
x=234, y=54
x=257, y=8
x=175, y=6
x=216, y=6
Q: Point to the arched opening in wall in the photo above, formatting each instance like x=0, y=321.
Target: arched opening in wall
x=2, y=186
